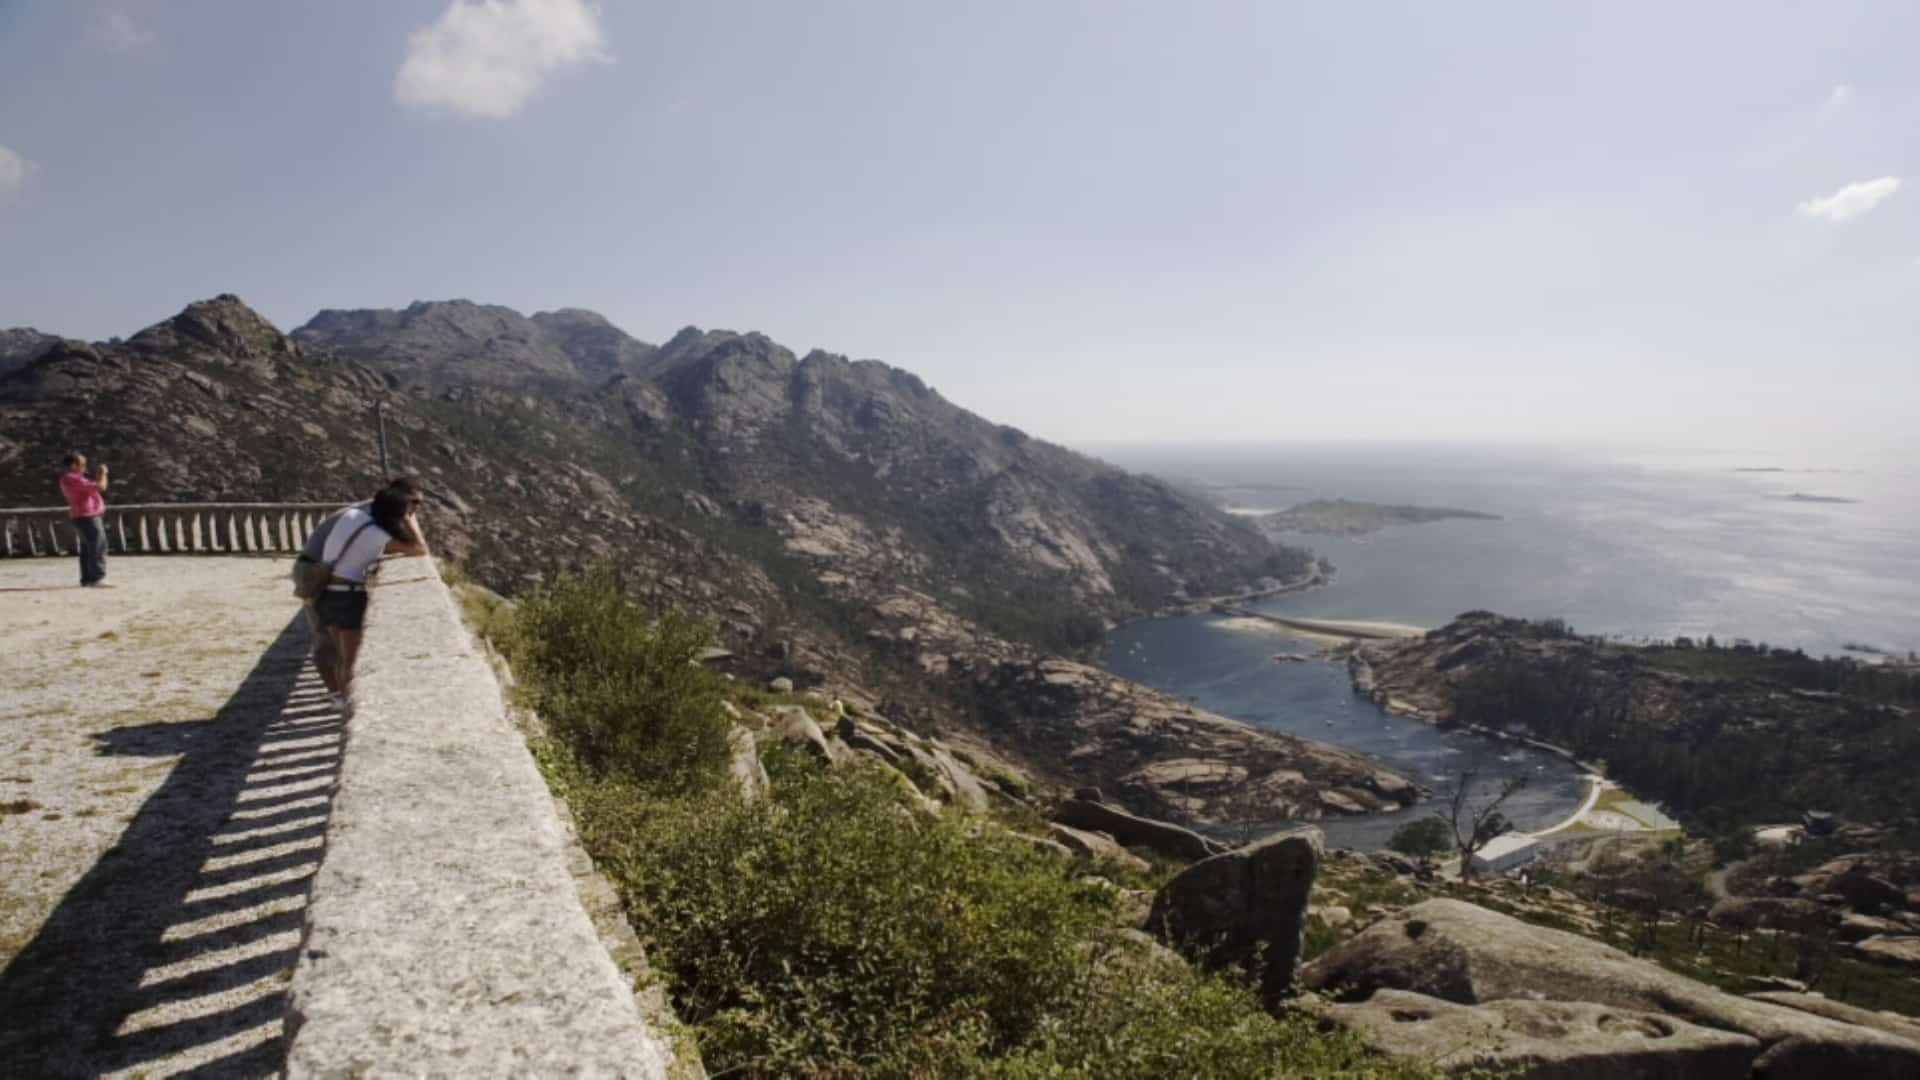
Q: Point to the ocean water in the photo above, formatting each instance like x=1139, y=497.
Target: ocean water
x=1642, y=545
x=1233, y=672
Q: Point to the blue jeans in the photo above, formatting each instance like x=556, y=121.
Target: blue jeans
x=93, y=548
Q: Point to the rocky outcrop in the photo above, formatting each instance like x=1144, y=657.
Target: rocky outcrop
x=796, y=727
x=1165, y=758
x=1460, y=953
x=744, y=770
x=1899, y=951
x=1767, y=912
x=1893, y=1024
x=22, y=345
x=1095, y=845
x=1545, y=1040
x=1135, y=831
x=1246, y=907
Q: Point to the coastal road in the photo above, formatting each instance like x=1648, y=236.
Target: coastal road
x=1595, y=785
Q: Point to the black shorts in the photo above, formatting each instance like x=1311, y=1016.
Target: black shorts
x=342, y=609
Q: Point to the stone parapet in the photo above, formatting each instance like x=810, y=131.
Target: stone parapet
x=168, y=528
x=445, y=934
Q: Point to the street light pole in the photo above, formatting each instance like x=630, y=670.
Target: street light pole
x=380, y=415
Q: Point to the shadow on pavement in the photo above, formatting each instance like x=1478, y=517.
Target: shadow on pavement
x=171, y=956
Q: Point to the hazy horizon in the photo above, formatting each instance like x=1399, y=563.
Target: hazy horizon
x=1104, y=224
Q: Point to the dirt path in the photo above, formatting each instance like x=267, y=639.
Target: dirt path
x=166, y=768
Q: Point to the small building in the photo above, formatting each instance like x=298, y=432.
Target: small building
x=1504, y=853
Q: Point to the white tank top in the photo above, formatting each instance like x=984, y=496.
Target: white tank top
x=351, y=563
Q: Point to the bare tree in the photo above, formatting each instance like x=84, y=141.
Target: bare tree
x=1475, y=822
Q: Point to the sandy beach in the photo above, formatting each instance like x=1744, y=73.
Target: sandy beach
x=1322, y=632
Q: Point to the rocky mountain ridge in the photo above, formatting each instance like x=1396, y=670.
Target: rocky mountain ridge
x=449, y=342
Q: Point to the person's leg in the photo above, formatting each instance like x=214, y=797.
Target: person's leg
x=93, y=549
x=325, y=658
x=347, y=642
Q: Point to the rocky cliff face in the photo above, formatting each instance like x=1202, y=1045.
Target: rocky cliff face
x=21, y=346
x=841, y=522
x=855, y=462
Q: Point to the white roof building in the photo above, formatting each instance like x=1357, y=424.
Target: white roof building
x=1505, y=852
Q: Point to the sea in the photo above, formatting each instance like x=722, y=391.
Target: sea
x=1792, y=550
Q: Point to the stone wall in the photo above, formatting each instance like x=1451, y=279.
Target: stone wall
x=445, y=932
x=168, y=529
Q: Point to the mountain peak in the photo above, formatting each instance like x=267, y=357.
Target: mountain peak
x=445, y=342
x=224, y=324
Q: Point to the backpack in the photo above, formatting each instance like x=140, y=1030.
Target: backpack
x=310, y=576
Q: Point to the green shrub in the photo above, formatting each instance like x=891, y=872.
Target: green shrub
x=829, y=926
x=829, y=931
x=619, y=690
x=1143, y=1016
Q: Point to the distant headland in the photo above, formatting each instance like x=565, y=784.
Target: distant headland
x=1346, y=518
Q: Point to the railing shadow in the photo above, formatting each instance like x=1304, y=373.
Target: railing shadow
x=171, y=956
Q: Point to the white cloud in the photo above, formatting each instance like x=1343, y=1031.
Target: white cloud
x=115, y=31
x=14, y=170
x=488, y=57
x=1852, y=200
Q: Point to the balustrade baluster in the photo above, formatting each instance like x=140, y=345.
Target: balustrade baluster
x=227, y=528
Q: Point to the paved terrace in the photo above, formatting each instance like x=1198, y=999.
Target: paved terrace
x=205, y=871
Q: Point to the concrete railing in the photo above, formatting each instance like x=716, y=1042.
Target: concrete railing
x=168, y=528
x=446, y=935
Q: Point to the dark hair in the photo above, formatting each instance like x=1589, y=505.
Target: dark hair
x=75, y=457
x=389, y=511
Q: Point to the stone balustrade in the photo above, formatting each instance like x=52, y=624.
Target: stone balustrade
x=168, y=528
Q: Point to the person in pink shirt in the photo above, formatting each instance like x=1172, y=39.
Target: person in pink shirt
x=87, y=506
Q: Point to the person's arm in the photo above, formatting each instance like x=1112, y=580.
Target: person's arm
x=415, y=545
x=100, y=476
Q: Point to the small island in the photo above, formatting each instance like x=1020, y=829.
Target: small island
x=1345, y=518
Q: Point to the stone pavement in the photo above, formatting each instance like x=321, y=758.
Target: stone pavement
x=205, y=871
x=169, y=759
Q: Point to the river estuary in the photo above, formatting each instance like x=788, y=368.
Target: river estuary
x=1206, y=660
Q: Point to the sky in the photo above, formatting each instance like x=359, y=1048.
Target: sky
x=1114, y=222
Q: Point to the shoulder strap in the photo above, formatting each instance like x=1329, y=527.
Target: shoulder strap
x=352, y=536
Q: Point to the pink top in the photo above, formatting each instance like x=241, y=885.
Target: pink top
x=83, y=495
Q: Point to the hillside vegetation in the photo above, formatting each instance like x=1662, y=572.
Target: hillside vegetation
x=1724, y=735
x=836, y=926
